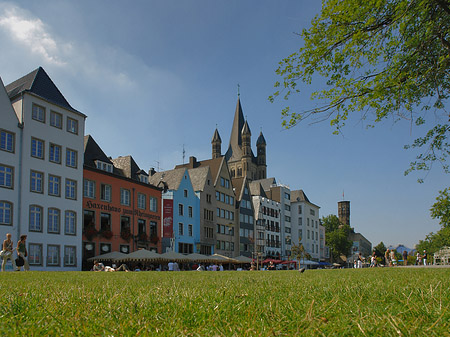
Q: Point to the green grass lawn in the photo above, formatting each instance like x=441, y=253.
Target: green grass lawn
x=372, y=302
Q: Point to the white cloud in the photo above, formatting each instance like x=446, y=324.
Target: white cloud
x=33, y=34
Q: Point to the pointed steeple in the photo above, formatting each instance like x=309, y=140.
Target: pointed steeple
x=216, y=143
x=261, y=140
x=246, y=129
x=216, y=137
x=234, y=148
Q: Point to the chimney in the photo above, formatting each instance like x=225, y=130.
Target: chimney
x=192, y=162
x=151, y=171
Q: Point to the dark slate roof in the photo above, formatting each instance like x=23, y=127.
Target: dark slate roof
x=216, y=137
x=93, y=152
x=261, y=140
x=128, y=166
x=40, y=84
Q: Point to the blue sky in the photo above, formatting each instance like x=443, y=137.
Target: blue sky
x=153, y=76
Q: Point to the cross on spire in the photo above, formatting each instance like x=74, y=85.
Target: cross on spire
x=239, y=93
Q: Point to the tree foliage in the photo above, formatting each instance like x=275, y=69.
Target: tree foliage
x=435, y=241
x=381, y=59
x=299, y=252
x=441, y=208
x=336, y=236
x=380, y=249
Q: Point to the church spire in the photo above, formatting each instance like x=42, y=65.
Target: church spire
x=216, y=143
x=234, y=148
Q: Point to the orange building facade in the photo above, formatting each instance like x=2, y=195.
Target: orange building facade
x=121, y=210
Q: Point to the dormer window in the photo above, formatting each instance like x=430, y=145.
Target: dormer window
x=143, y=178
x=101, y=165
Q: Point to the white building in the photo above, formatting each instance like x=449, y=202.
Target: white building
x=47, y=162
x=305, y=224
x=267, y=215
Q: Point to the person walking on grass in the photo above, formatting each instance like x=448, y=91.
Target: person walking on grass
x=424, y=257
x=22, y=252
x=386, y=258
x=405, y=257
x=7, y=252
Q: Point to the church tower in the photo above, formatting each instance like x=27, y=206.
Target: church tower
x=216, y=143
x=246, y=150
x=239, y=155
x=344, y=212
x=261, y=157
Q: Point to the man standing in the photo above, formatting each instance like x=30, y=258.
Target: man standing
x=7, y=250
x=424, y=257
x=386, y=257
x=405, y=257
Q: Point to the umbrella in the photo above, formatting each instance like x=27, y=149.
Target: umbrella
x=222, y=258
x=111, y=256
x=174, y=256
x=243, y=259
x=141, y=255
x=198, y=257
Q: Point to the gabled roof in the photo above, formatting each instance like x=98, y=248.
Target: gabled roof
x=5, y=104
x=214, y=165
x=300, y=196
x=128, y=166
x=238, y=185
x=171, y=178
x=267, y=183
x=256, y=189
x=93, y=152
x=199, y=176
x=40, y=84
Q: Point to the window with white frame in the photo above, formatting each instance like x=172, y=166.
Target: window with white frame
x=70, y=256
x=71, y=158
x=71, y=189
x=38, y=113
x=37, y=182
x=37, y=148
x=125, y=197
x=35, y=224
x=72, y=125
x=35, y=254
x=7, y=140
x=54, y=185
x=53, y=255
x=105, y=192
x=180, y=229
x=104, y=166
x=54, y=153
x=180, y=209
x=89, y=188
x=6, y=176
x=190, y=232
x=70, y=222
x=5, y=213
x=153, y=204
x=142, y=200
x=190, y=211
x=53, y=220
x=56, y=119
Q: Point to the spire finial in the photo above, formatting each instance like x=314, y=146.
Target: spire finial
x=239, y=93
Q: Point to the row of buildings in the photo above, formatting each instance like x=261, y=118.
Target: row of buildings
x=75, y=202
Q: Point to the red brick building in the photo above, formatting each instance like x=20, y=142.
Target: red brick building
x=121, y=210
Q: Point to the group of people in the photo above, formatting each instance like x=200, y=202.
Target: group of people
x=98, y=266
x=8, y=250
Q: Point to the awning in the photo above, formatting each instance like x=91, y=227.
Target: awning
x=111, y=256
